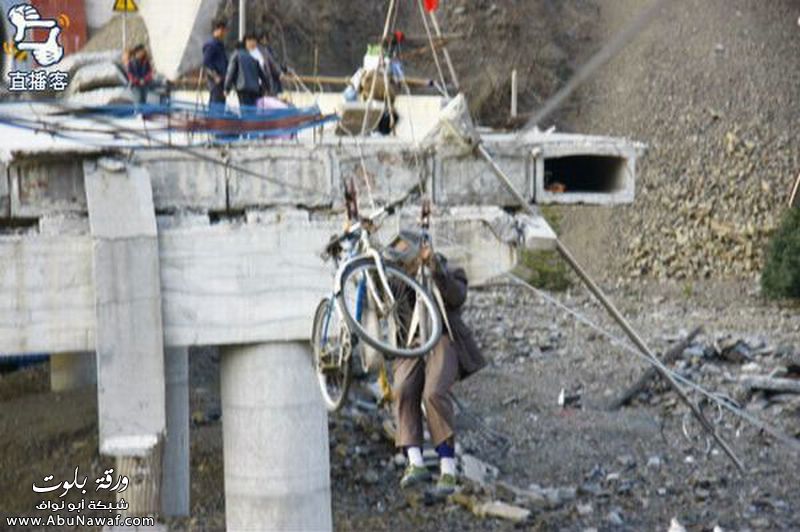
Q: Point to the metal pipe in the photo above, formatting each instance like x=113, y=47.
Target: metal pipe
x=433, y=48
x=242, y=19
x=447, y=59
x=609, y=306
x=514, y=93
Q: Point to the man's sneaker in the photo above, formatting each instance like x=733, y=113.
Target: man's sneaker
x=414, y=475
x=446, y=485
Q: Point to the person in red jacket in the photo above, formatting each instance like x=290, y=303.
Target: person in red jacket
x=140, y=73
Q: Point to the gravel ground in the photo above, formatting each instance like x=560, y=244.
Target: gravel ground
x=630, y=469
x=710, y=87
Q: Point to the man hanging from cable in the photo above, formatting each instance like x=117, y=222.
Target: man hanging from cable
x=427, y=381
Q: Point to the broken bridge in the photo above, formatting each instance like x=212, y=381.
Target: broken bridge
x=134, y=255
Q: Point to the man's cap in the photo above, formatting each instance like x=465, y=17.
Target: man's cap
x=405, y=247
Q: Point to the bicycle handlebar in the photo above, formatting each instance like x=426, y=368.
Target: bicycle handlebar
x=367, y=223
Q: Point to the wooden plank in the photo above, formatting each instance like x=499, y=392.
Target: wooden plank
x=651, y=372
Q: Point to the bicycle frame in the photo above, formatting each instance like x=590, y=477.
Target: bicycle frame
x=364, y=248
x=361, y=248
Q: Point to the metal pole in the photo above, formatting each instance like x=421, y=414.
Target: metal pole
x=433, y=48
x=514, y=93
x=795, y=189
x=125, y=31
x=609, y=306
x=446, y=52
x=242, y=19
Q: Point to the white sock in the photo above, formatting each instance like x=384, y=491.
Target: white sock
x=448, y=466
x=415, y=456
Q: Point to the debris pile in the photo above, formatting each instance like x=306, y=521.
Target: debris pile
x=693, y=225
x=750, y=373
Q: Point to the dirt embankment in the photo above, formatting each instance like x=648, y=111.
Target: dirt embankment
x=712, y=88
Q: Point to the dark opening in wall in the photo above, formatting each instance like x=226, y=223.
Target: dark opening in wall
x=585, y=174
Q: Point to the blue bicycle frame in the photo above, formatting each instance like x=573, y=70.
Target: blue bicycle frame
x=361, y=294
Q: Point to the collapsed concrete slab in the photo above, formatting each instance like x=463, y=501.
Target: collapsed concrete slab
x=129, y=342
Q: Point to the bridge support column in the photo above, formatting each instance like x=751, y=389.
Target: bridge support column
x=275, y=434
x=131, y=403
x=175, y=472
x=72, y=371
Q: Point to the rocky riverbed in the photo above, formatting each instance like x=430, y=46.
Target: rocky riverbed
x=568, y=464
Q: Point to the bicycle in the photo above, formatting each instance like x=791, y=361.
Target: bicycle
x=373, y=301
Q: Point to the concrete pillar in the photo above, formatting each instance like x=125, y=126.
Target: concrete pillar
x=175, y=472
x=131, y=396
x=72, y=371
x=275, y=435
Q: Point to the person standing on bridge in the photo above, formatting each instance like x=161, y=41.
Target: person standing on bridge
x=265, y=55
x=428, y=380
x=246, y=75
x=215, y=64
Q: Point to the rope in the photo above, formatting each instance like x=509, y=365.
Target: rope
x=717, y=398
x=433, y=47
x=720, y=400
x=381, y=64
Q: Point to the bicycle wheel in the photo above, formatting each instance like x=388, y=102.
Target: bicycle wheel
x=407, y=328
x=331, y=345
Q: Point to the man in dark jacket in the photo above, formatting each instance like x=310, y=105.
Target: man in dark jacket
x=246, y=75
x=428, y=380
x=215, y=63
x=266, y=57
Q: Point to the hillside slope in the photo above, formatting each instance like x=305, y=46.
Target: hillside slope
x=712, y=88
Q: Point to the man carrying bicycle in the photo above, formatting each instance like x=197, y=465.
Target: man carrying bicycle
x=428, y=380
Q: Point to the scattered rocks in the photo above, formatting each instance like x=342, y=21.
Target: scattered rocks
x=478, y=471
x=654, y=462
x=615, y=518
x=585, y=510
x=676, y=526
x=502, y=510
